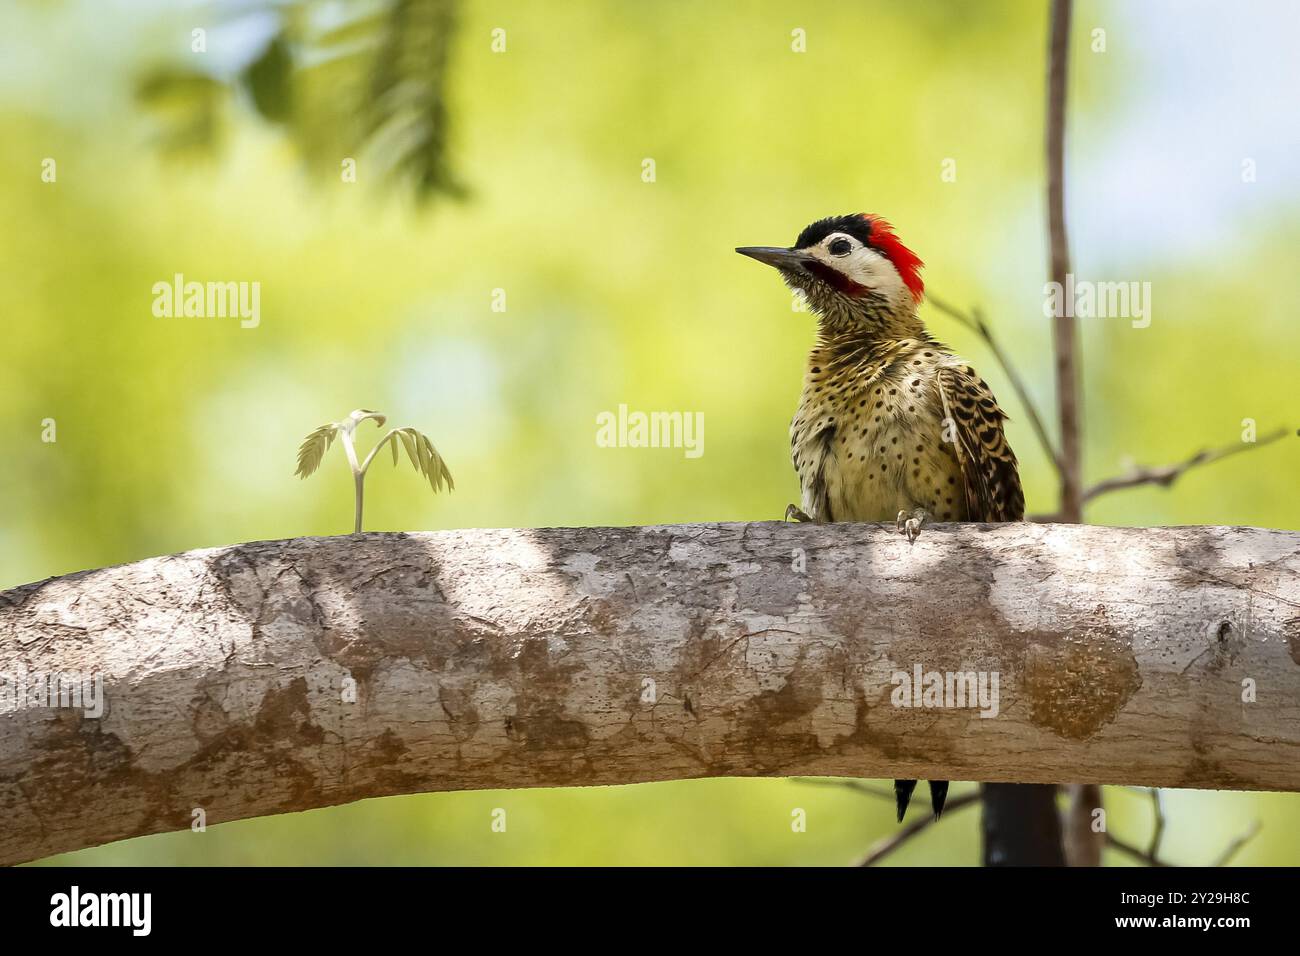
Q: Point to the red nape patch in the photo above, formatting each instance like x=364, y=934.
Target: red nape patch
x=907, y=262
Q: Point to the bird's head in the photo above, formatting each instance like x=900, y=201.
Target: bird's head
x=852, y=269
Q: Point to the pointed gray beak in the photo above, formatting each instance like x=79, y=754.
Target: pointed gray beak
x=786, y=259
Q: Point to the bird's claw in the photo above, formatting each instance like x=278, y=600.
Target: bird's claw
x=794, y=514
x=911, y=523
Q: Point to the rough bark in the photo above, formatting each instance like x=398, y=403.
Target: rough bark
x=616, y=655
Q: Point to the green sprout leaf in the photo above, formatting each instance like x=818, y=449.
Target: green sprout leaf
x=419, y=449
x=425, y=458
x=313, y=448
x=422, y=446
x=409, y=444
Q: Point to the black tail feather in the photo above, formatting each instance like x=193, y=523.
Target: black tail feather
x=938, y=794
x=902, y=795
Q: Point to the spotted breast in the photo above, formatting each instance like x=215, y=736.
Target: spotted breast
x=894, y=425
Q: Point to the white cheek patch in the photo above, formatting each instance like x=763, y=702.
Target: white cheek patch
x=864, y=267
x=867, y=268
x=873, y=270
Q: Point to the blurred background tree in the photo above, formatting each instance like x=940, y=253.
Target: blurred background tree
x=365, y=80
x=228, y=165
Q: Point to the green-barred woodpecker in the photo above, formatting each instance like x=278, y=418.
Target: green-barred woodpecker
x=891, y=426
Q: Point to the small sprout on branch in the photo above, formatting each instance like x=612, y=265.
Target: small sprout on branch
x=419, y=449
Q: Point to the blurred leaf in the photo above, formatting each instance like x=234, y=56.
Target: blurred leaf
x=185, y=104
x=373, y=86
x=405, y=116
x=269, y=80
x=163, y=85
x=351, y=36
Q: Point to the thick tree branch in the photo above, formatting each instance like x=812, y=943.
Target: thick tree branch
x=278, y=676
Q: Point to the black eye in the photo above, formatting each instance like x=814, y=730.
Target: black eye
x=840, y=247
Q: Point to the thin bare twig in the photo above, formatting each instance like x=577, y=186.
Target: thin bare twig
x=1166, y=475
x=1151, y=855
x=1158, y=827
x=1128, y=849
x=847, y=784
x=1231, y=849
x=974, y=320
x=892, y=842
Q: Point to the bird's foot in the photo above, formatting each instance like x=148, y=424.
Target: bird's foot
x=911, y=523
x=794, y=514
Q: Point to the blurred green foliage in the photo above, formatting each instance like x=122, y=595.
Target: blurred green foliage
x=180, y=433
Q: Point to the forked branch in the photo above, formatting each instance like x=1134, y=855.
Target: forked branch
x=1166, y=475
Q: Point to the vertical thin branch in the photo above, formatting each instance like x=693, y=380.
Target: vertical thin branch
x=1083, y=846
x=1064, y=332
